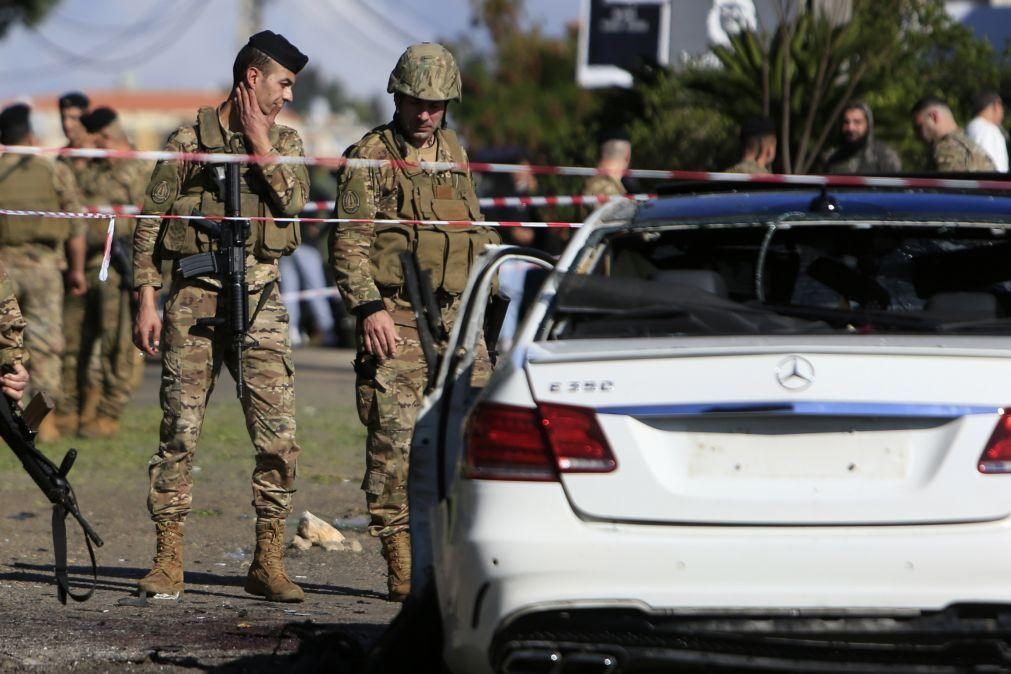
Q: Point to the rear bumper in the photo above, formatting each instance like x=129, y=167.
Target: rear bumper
x=516, y=549
x=971, y=638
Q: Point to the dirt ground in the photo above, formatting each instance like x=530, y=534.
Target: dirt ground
x=215, y=625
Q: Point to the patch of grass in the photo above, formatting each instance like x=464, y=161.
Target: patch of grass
x=332, y=442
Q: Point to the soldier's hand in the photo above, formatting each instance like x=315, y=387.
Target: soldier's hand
x=77, y=283
x=255, y=124
x=14, y=383
x=147, y=329
x=380, y=335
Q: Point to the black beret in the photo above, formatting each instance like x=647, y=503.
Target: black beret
x=14, y=115
x=757, y=127
x=98, y=119
x=278, y=48
x=14, y=124
x=74, y=99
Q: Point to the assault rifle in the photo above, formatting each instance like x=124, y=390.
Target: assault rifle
x=18, y=429
x=427, y=315
x=228, y=264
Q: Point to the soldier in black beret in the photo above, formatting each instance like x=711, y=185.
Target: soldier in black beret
x=264, y=75
x=37, y=250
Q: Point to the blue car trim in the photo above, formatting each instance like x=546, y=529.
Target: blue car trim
x=811, y=408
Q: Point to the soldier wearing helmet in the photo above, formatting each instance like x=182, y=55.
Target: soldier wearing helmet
x=390, y=366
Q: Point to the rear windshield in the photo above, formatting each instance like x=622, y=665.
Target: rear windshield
x=862, y=279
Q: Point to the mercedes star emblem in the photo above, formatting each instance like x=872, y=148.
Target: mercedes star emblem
x=795, y=373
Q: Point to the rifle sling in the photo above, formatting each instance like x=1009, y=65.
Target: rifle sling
x=264, y=296
x=60, y=554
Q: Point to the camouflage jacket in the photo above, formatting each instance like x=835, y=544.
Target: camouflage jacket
x=956, y=152
x=603, y=185
x=875, y=158
x=747, y=166
x=374, y=194
x=288, y=183
x=105, y=182
x=12, y=324
x=600, y=185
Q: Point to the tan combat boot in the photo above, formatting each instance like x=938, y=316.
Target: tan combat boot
x=100, y=427
x=397, y=551
x=48, y=431
x=266, y=577
x=91, y=397
x=166, y=576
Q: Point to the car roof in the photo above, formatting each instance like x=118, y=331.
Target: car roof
x=763, y=204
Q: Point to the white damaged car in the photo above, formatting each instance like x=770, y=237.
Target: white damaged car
x=748, y=431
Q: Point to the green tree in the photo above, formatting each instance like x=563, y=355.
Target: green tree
x=28, y=12
x=802, y=74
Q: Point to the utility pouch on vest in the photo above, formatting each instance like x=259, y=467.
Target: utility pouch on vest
x=387, y=245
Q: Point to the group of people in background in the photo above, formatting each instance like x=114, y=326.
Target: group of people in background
x=78, y=332
x=981, y=147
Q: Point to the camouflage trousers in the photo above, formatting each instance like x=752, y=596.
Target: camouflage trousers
x=36, y=274
x=100, y=319
x=191, y=362
x=389, y=395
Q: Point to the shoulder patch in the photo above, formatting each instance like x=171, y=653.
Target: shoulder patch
x=350, y=202
x=161, y=192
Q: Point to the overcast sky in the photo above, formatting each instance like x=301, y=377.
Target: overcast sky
x=190, y=44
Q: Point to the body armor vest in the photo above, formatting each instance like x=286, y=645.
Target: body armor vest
x=26, y=183
x=202, y=193
x=446, y=252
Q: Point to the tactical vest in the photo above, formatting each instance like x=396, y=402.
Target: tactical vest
x=447, y=252
x=26, y=184
x=200, y=192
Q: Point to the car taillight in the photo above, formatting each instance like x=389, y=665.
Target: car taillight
x=576, y=439
x=503, y=442
x=996, y=458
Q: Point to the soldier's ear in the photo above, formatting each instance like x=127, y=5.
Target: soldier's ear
x=253, y=75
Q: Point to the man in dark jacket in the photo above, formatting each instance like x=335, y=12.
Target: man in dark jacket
x=859, y=152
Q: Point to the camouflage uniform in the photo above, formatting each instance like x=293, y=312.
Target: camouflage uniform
x=747, y=166
x=32, y=250
x=601, y=185
x=102, y=316
x=365, y=260
x=956, y=152
x=12, y=323
x=192, y=355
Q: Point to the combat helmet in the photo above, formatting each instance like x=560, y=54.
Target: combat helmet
x=426, y=71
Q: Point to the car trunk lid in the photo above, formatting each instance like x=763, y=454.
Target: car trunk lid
x=786, y=437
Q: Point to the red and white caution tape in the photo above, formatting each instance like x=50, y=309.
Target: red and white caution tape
x=441, y=223
x=103, y=272
x=485, y=202
x=484, y=167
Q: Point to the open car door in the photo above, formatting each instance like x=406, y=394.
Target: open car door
x=438, y=433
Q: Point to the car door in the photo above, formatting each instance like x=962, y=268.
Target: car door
x=435, y=447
